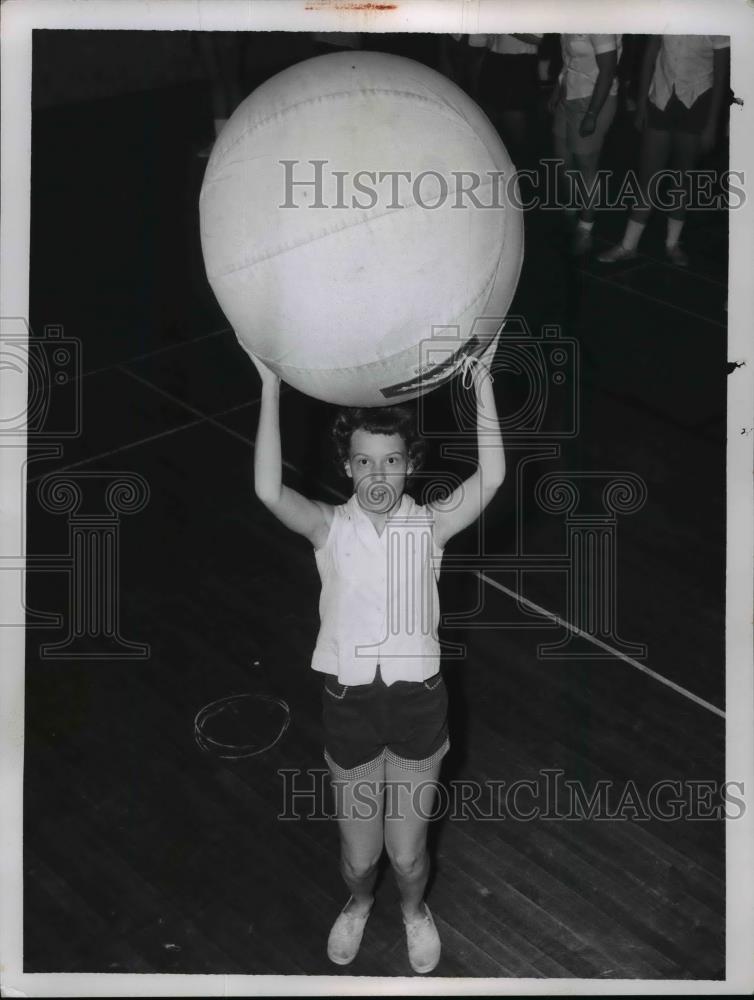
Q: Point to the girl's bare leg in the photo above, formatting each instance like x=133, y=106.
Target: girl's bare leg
x=359, y=807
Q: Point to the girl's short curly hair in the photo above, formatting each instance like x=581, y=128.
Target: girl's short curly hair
x=377, y=420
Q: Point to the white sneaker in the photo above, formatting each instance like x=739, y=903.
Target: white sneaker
x=345, y=937
x=423, y=943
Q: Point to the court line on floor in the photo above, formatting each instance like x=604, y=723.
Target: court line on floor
x=202, y=418
x=603, y=645
x=649, y=258
x=651, y=298
x=638, y=264
x=575, y=629
x=151, y=354
x=113, y=451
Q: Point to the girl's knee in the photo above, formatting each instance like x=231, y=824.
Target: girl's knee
x=407, y=863
x=359, y=866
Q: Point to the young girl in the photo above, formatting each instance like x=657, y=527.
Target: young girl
x=384, y=700
x=681, y=95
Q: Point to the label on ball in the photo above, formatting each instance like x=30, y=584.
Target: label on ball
x=434, y=375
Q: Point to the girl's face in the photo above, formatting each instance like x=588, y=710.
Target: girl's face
x=378, y=465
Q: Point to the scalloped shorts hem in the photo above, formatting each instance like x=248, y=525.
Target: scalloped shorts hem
x=386, y=756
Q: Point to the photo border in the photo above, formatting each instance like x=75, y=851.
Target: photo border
x=734, y=17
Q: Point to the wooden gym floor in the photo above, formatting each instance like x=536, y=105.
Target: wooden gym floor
x=145, y=854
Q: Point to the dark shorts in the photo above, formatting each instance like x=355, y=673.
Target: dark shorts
x=676, y=117
x=405, y=723
x=509, y=82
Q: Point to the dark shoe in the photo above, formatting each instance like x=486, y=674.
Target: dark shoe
x=676, y=254
x=581, y=241
x=616, y=254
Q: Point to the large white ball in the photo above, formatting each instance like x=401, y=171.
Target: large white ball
x=353, y=302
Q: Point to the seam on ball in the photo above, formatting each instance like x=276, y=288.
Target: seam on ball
x=339, y=94
x=332, y=231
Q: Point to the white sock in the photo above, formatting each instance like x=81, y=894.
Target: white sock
x=219, y=125
x=586, y=225
x=674, y=231
x=632, y=234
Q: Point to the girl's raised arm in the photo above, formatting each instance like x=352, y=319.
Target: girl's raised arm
x=306, y=517
x=468, y=500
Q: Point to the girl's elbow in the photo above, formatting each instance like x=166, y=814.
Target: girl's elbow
x=266, y=495
x=495, y=481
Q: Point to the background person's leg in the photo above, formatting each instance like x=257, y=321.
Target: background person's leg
x=586, y=165
x=587, y=153
x=686, y=150
x=653, y=157
x=564, y=158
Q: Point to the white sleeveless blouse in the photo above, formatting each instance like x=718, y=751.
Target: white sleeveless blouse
x=379, y=602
